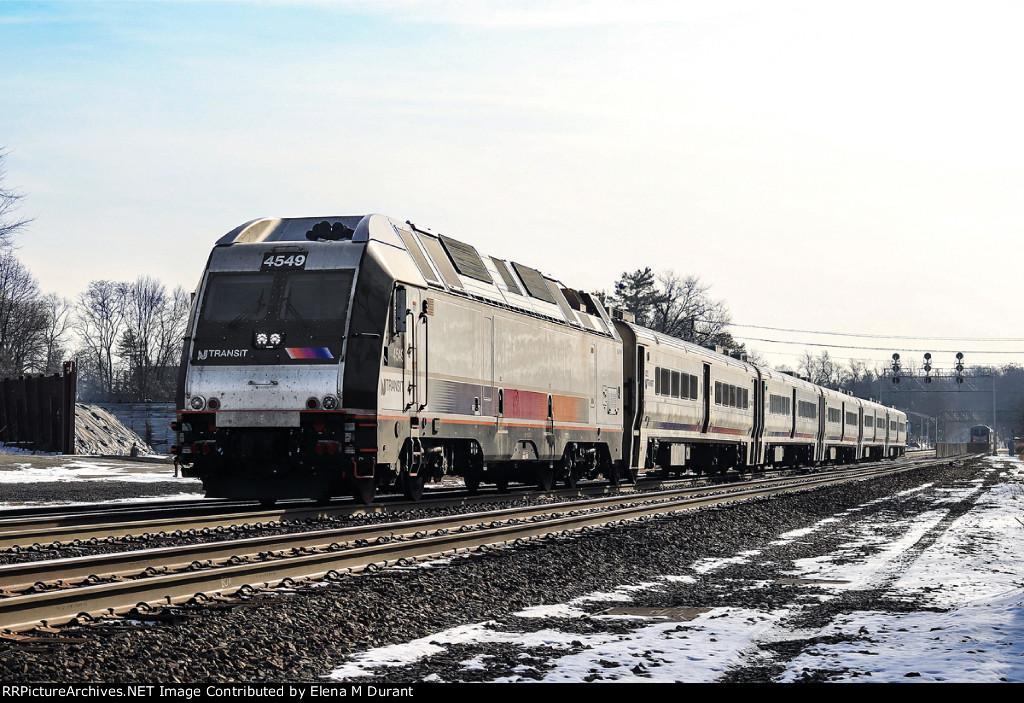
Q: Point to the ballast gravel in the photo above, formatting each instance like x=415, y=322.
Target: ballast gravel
x=305, y=633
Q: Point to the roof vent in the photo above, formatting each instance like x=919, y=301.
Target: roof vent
x=620, y=314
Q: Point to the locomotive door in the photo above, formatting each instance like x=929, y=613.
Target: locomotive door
x=422, y=356
x=416, y=367
x=410, y=366
x=487, y=363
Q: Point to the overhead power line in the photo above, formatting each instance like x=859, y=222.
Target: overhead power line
x=889, y=348
x=882, y=336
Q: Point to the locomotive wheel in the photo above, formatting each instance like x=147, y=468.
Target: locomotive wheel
x=412, y=486
x=363, y=489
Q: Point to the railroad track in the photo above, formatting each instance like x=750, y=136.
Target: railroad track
x=50, y=527
x=58, y=591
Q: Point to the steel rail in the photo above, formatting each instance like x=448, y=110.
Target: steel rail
x=63, y=604
x=65, y=529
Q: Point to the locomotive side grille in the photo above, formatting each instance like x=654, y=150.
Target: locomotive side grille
x=467, y=261
x=535, y=284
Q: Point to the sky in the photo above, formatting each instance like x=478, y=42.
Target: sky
x=841, y=167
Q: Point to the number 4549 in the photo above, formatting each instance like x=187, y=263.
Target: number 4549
x=282, y=261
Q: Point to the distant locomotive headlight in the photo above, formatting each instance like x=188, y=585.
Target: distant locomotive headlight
x=197, y=402
x=214, y=404
x=312, y=404
x=267, y=339
x=330, y=402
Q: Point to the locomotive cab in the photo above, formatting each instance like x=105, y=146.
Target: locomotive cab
x=261, y=392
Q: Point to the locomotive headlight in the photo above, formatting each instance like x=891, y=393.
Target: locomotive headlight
x=330, y=402
x=197, y=402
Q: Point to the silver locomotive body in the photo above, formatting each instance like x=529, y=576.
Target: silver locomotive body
x=384, y=354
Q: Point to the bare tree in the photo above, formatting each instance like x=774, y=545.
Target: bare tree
x=823, y=370
x=54, y=338
x=170, y=332
x=685, y=310
x=99, y=316
x=22, y=319
x=144, y=302
x=676, y=305
x=9, y=199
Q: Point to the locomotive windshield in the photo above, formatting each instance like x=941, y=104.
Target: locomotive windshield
x=273, y=317
x=244, y=297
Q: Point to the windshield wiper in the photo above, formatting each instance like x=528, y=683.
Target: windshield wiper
x=245, y=313
x=298, y=315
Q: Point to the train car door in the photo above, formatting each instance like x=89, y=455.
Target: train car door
x=792, y=417
x=758, y=409
x=637, y=389
x=707, y=399
x=860, y=435
x=820, y=450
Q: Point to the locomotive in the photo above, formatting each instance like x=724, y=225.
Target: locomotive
x=345, y=355
x=982, y=439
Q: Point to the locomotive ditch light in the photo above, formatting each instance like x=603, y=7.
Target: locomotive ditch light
x=267, y=339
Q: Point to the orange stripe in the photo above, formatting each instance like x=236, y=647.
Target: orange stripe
x=506, y=423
